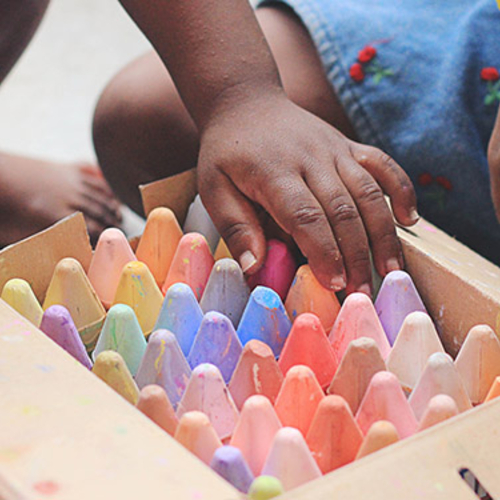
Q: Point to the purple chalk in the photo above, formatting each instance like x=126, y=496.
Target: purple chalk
x=397, y=298
x=58, y=325
x=229, y=463
x=217, y=343
x=164, y=364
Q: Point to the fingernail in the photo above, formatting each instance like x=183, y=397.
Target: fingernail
x=392, y=264
x=247, y=260
x=414, y=216
x=337, y=283
x=366, y=289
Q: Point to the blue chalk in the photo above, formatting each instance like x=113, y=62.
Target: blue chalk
x=164, y=364
x=229, y=463
x=265, y=319
x=180, y=314
x=217, y=343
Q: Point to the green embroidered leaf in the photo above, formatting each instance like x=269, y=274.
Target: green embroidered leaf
x=489, y=99
x=377, y=78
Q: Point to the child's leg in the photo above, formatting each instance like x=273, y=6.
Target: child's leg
x=143, y=132
x=34, y=193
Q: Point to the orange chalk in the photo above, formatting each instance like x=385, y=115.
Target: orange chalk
x=222, y=252
x=70, y=287
x=307, y=295
x=111, y=254
x=361, y=361
x=255, y=431
x=138, y=290
x=439, y=409
x=416, y=341
x=307, y=344
x=334, y=436
x=494, y=391
x=159, y=242
x=478, y=362
x=195, y=432
x=380, y=435
x=298, y=398
x=192, y=264
x=440, y=376
x=154, y=403
x=357, y=318
x=385, y=400
x=257, y=372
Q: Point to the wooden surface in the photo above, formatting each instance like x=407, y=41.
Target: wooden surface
x=66, y=436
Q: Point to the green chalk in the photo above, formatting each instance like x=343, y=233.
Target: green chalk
x=264, y=488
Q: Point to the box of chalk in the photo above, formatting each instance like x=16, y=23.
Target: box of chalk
x=158, y=369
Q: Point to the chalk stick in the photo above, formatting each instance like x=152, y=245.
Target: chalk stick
x=111, y=254
x=154, y=403
x=230, y=464
x=198, y=221
x=306, y=294
x=380, y=435
x=164, y=364
x=440, y=408
x=19, y=295
x=265, y=488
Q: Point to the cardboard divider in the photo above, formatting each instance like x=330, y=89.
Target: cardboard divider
x=35, y=258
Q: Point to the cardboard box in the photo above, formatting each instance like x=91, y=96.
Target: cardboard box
x=65, y=435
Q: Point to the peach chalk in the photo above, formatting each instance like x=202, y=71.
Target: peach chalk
x=440, y=376
x=416, y=341
x=298, y=398
x=439, y=409
x=255, y=431
x=290, y=460
x=159, y=242
x=196, y=433
x=257, y=372
x=307, y=344
x=70, y=287
x=306, y=294
x=385, y=400
x=111, y=254
x=207, y=392
x=361, y=361
x=154, y=403
x=478, y=362
x=192, y=264
x=357, y=318
x=334, y=436
x=222, y=251
x=380, y=435
x=494, y=391
x=138, y=290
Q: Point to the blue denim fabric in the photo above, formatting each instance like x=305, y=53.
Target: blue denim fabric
x=429, y=113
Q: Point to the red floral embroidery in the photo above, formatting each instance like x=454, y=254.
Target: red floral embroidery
x=425, y=179
x=367, y=54
x=490, y=74
x=357, y=73
x=445, y=182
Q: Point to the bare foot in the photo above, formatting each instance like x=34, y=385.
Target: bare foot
x=34, y=194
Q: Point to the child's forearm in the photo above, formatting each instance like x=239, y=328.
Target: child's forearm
x=214, y=50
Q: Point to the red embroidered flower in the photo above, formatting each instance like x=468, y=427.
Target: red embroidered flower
x=367, y=54
x=490, y=74
x=357, y=73
x=445, y=182
x=425, y=179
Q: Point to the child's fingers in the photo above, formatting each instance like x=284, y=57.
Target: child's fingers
x=393, y=180
x=376, y=215
x=346, y=223
x=235, y=218
x=292, y=205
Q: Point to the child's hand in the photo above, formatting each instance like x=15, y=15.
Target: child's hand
x=494, y=163
x=322, y=188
